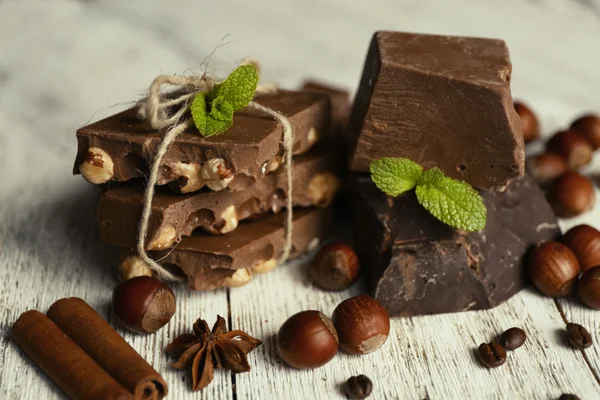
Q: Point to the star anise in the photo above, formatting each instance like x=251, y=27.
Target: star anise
x=211, y=349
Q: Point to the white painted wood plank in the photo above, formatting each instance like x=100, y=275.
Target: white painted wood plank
x=50, y=249
x=65, y=62
x=424, y=356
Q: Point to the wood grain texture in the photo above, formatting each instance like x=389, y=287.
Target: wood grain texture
x=64, y=63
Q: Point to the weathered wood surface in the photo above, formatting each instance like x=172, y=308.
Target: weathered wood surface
x=63, y=63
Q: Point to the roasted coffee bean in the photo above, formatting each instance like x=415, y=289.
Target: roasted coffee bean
x=513, y=338
x=358, y=387
x=492, y=355
x=568, y=396
x=578, y=337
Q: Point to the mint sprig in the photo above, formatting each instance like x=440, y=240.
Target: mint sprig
x=212, y=112
x=453, y=202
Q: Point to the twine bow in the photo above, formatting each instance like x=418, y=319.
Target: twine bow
x=171, y=110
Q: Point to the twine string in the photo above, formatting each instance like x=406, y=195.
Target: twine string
x=172, y=112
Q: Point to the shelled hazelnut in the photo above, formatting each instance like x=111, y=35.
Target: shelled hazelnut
x=335, y=266
x=307, y=340
x=546, y=167
x=589, y=126
x=584, y=241
x=215, y=174
x=188, y=177
x=572, y=194
x=553, y=268
x=573, y=146
x=588, y=287
x=132, y=267
x=143, y=304
x=529, y=122
x=164, y=239
x=363, y=325
x=96, y=166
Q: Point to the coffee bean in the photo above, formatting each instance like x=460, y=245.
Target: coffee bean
x=578, y=337
x=492, y=355
x=568, y=396
x=513, y=338
x=358, y=387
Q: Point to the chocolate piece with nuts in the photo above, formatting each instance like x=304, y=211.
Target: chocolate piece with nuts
x=211, y=262
x=340, y=103
x=440, y=101
x=416, y=265
x=173, y=216
x=122, y=147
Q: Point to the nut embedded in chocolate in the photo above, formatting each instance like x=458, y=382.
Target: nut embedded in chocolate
x=323, y=187
x=96, y=166
x=215, y=174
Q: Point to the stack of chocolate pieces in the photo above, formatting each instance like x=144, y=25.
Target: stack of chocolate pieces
x=444, y=102
x=218, y=210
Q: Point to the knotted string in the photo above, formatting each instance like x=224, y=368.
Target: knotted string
x=172, y=112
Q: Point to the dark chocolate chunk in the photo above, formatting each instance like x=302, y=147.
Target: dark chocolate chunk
x=417, y=265
x=441, y=101
x=210, y=262
x=122, y=147
x=315, y=183
x=340, y=103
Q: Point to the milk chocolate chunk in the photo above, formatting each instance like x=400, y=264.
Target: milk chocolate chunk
x=441, y=101
x=210, y=262
x=417, y=265
x=122, y=147
x=315, y=183
x=340, y=103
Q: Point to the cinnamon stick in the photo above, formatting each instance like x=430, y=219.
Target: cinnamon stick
x=63, y=361
x=98, y=339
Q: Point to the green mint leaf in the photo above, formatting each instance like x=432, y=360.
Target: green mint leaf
x=221, y=109
x=395, y=176
x=238, y=89
x=204, y=113
x=451, y=201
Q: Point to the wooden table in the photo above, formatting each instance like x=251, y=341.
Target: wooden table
x=63, y=63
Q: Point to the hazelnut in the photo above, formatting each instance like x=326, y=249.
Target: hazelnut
x=276, y=163
x=588, y=287
x=573, y=146
x=363, y=325
x=189, y=178
x=312, y=136
x=584, y=241
x=96, y=166
x=143, y=304
x=529, y=122
x=553, y=268
x=239, y=278
x=216, y=174
x=307, y=340
x=264, y=266
x=322, y=188
x=335, y=267
x=546, y=167
x=132, y=267
x=227, y=223
x=166, y=236
x=589, y=127
x=572, y=194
